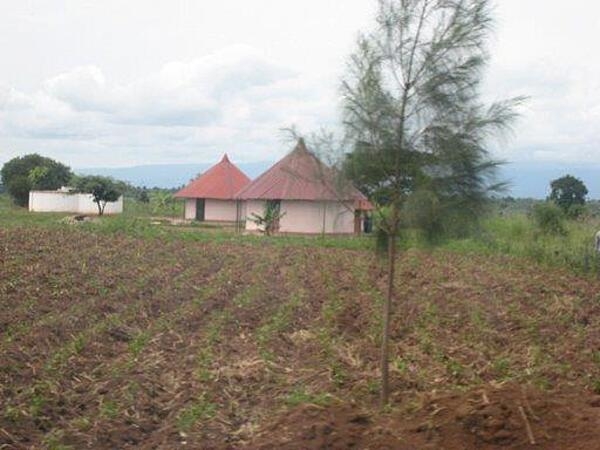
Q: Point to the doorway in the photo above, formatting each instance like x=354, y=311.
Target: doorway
x=200, y=209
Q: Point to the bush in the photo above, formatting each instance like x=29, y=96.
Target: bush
x=549, y=218
x=22, y=174
x=576, y=211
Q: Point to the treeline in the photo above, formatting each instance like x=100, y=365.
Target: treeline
x=30, y=172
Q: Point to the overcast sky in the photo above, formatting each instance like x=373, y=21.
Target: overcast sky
x=118, y=83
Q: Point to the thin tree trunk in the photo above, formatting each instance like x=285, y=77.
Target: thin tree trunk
x=387, y=309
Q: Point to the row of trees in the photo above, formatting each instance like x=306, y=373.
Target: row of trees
x=34, y=172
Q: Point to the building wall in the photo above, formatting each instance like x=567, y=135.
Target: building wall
x=256, y=207
x=214, y=210
x=53, y=201
x=190, y=208
x=309, y=217
x=220, y=210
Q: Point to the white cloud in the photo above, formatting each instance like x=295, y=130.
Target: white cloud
x=117, y=83
x=559, y=119
x=233, y=98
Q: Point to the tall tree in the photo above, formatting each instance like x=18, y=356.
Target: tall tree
x=569, y=194
x=22, y=174
x=418, y=129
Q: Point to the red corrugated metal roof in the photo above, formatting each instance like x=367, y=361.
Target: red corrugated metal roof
x=301, y=176
x=222, y=181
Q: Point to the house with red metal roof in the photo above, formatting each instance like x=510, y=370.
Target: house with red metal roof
x=211, y=196
x=309, y=195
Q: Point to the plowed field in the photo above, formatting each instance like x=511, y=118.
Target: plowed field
x=108, y=341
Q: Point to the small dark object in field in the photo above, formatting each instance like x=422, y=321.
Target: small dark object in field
x=120, y=334
x=361, y=419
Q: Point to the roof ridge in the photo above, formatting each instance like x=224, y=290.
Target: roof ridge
x=220, y=181
x=299, y=175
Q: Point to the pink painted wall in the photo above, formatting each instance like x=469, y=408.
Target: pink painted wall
x=190, y=208
x=307, y=217
x=214, y=210
x=220, y=210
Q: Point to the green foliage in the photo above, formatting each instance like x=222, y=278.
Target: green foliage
x=109, y=409
x=519, y=236
x=25, y=173
x=549, y=218
x=275, y=324
x=202, y=409
x=422, y=211
x=300, y=396
x=268, y=223
x=137, y=345
x=413, y=114
x=501, y=367
x=102, y=189
x=143, y=196
x=569, y=194
x=161, y=201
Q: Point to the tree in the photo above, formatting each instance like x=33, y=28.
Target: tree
x=22, y=174
x=416, y=125
x=569, y=194
x=102, y=189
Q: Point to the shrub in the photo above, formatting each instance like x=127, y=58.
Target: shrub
x=549, y=218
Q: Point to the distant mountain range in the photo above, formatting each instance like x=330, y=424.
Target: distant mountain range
x=166, y=175
x=526, y=179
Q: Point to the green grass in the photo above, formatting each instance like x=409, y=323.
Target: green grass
x=137, y=221
x=16, y=216
x=517, y=235
x=200, y=410
x=155, y=208
x=301, y=396
x=510, y=234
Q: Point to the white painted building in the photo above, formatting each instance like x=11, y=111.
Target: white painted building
x=65, y=201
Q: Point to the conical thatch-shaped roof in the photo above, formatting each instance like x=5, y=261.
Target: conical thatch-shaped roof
x=300, y=175
x=222, y=181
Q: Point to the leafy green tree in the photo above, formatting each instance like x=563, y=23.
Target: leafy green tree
x=569, y=194
x=22, y=174
x=102, y=189
x=418, y=129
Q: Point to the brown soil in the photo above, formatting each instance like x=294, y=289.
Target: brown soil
x=107, y=341
x=484, y=418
